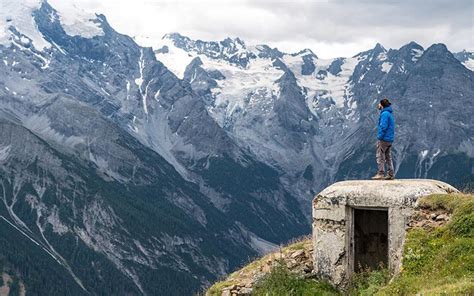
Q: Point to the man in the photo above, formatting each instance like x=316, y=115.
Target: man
x=385, y=135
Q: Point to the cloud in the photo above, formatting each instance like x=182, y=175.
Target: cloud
x=329, y=27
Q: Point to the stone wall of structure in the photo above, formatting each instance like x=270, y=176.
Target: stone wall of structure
x=333, y=227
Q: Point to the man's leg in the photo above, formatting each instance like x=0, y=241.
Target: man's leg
x=389, y=161
x=380, y=158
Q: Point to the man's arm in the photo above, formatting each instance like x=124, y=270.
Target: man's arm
x=383, y=126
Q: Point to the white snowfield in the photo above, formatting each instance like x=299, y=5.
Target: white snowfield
x=19, y=15
x=75, y=20
x=176, y=60
x=469, y=64
x=255, y=86
x=257, y=82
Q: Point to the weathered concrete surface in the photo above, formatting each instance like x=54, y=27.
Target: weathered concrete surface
x=332, y=220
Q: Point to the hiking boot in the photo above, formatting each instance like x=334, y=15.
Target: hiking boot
x=378, y=177
x=390, y=177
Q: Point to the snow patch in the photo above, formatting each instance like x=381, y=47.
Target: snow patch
x=334, y=87
x=469, y=64
x=19, y=14
x=386, y=66
x=175, y=59
x=416, y=54
x=76, y=21
x=253, y=87
x=139, y=81
x=424, y=153
x=382, y=56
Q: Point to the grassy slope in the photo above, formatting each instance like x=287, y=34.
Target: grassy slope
x=235, y=277
x=437, y=261
x=440, y=260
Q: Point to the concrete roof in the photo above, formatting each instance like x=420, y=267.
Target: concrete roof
x=382, y=193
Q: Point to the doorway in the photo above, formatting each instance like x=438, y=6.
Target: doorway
x=370, y=239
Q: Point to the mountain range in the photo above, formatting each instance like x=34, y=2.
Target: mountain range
x=134, y=170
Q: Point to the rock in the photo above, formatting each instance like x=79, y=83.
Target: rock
x=245, y=291
x=442, y=217
x=433, y=216
x=311, y=275
x=296, y=254
x=291, y=264
x=226, y=292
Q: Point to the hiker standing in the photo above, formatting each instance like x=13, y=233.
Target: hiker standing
x=385, y=135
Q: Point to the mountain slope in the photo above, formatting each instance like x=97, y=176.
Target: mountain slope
x=99, y=229
x=112, y=166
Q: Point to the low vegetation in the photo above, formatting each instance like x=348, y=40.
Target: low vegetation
x=260, y=266
x=441, y=260
x=281, y=282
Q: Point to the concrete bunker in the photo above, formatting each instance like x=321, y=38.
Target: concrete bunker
x=362, y=224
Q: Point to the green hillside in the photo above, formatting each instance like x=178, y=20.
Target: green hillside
x=438, y=259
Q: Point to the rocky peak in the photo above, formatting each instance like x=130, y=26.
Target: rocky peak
x=410, y=52
x=229, y=49
x=438, y=52
x=372, y=53
x=304, y=53
x=378, y=48
x=265, y=51
x=464, y=55
x=466, y=58
x=437, y=56
x=179, y=40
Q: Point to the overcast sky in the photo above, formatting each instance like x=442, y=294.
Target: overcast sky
x=330, y=28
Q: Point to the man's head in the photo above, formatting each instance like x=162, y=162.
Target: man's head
x=384, y=103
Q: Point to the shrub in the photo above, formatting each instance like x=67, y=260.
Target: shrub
x=369, y=282
x=281, y=282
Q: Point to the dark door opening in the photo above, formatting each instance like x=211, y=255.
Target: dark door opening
x=370, y=239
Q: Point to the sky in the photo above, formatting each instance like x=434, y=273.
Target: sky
x=330, y=28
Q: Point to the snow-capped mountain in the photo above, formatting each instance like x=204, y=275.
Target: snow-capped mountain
x=138, y=170
x=314, y=117
x=114, y=177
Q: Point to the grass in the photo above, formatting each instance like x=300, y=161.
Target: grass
x=281, y=282
x=439, y=261
x=369, y=282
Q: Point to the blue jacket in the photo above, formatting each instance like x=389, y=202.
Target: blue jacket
x=386, y=128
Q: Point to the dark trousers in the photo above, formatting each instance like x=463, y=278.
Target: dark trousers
x=384, y=157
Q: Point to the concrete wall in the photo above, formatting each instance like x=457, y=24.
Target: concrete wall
x=332, y=220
